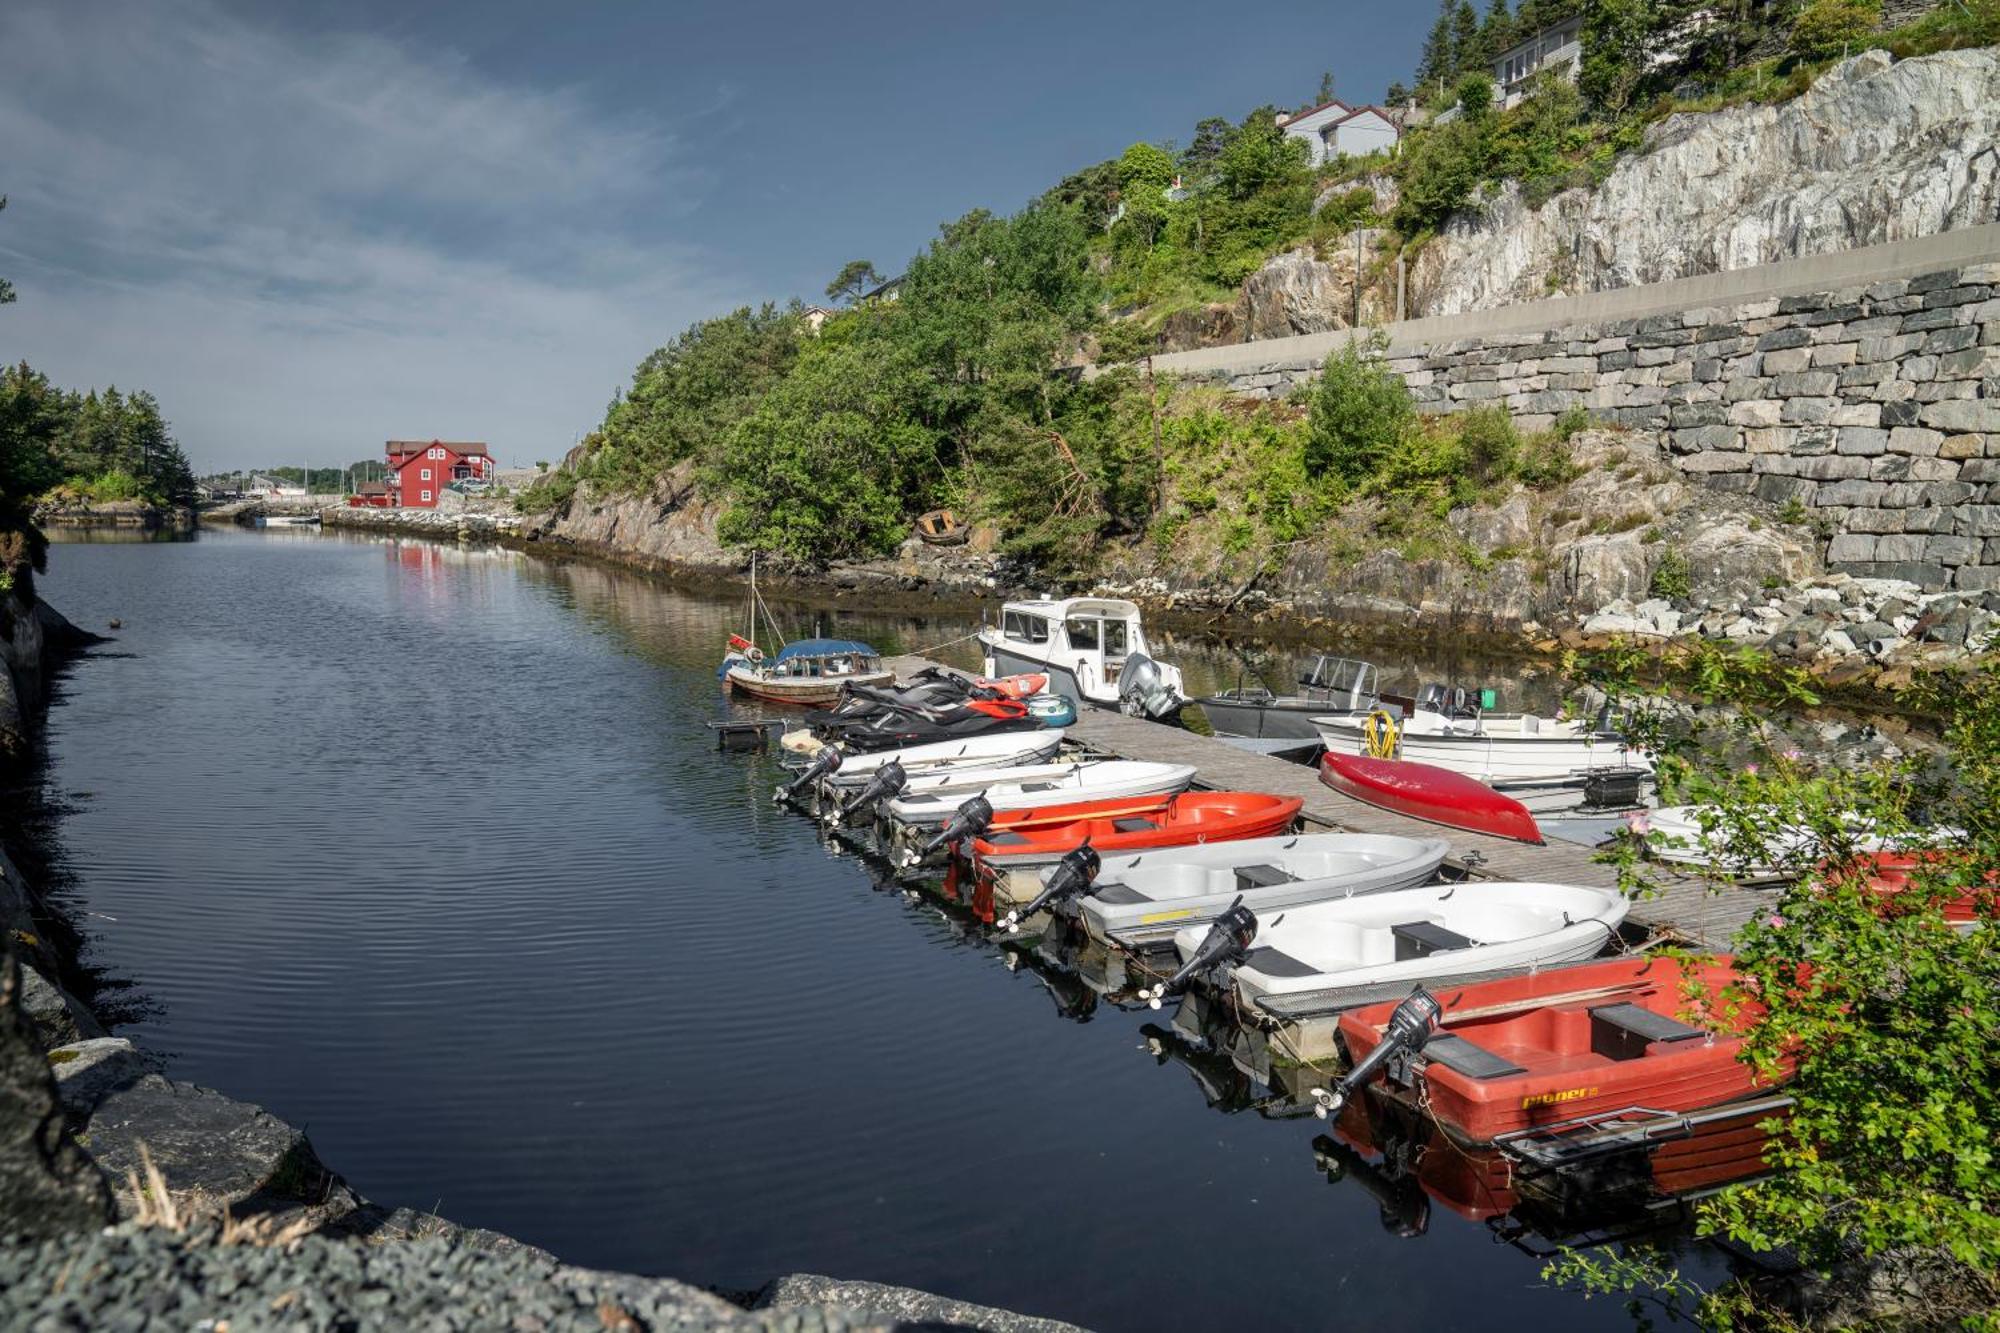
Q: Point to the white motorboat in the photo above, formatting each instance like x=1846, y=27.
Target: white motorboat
x=1093, y=650
x=1417, y=935
x=1508, y=751
x=1701, y=836
x=929, y=806
x=999, y=750
x=1143, y=899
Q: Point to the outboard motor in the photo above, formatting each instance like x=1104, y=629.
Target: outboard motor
x=971, y=819
x=825, y=762
x=1072, y=876
x=888, y=782
x=1410, y=1024
x=1228, y=939
x=1143, y=690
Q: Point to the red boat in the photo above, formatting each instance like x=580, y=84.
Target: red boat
x=1522, y=1052
x=1427, y=792
x=1889, y=875
x=1020, y=838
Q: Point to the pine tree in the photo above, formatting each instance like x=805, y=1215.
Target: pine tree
x=1436, y=63
x=1465, y=47
x=1496, y=34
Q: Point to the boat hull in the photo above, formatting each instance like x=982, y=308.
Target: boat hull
x=1005, y=749
x=1265, y=719
x=1545, y=1028
x=1110, y=780
x=1427, y=792
x=809, y=692
x=1062, y=681
x=1493, y=758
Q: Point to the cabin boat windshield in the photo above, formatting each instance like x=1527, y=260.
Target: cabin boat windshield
x=1347, y=681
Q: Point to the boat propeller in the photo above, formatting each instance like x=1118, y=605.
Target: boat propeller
x=825, y=762
x=968, y=821
x=1228, y=939
x=1072, y=875
x=888, y=781
x=1410, y=1024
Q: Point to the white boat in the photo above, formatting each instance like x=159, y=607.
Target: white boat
x=999, y=750
x=290, y=520
x=1093, y=650
x=1143, y=899
x=1101, y=781
x=1416, y=935
x=1701, y=836
x=1508, y=751
x=808, y=671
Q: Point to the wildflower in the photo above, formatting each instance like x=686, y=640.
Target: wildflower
x=1751, y=769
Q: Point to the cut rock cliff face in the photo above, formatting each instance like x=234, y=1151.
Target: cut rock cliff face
x=1875, y=151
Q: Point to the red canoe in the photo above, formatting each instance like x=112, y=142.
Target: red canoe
x=1521, y=1052
x=1029, y=837
x=1427, y=792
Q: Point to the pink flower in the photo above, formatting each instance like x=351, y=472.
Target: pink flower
x=1638, y=823
x=1751, y=769
x=1794, y=755
x=1777, y=922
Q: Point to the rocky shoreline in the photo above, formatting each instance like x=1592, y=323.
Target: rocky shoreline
x=129, y=1198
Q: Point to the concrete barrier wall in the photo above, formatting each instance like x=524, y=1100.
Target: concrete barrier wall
x=1876, y=404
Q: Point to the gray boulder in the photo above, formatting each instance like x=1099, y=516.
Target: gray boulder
x=1595, y=570
x=47, y=1186
x=897, y=1305
x=1729, y=558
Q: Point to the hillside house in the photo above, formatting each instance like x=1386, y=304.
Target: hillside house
x=419, y=470
x=1558, y=47
x=1334, y=129
x=814, y=317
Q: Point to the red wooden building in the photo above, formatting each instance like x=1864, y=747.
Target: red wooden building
x=419, y=470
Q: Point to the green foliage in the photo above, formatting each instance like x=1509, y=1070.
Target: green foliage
x=6, y=287
x=856, y=276
x=1825, y=29
x=31, y=416
x=1616, y=34
x=1360, y=413
x=550, y=491
x=1440, y=169
x=1672, y=577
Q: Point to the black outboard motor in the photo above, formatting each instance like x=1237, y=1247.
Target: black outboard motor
x=888, y=782
x=1410, y=1025
x=825, y=762
x=1228, y=939
x=1072, y=876
x=971, y=819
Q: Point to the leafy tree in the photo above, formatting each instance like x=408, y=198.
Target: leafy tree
x=1438, y=174
x=1211, y=136
x=1359, y=412
x=1828, y=28
x=1397, y=94
x=31, y=415
x=855, y=277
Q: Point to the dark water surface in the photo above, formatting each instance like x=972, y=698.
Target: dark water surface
x=429, y=851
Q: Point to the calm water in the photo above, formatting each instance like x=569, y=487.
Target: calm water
x=430, y=852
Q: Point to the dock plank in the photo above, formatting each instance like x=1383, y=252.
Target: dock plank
x=1687, y=907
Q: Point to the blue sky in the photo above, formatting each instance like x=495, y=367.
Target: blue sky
x=310, y=228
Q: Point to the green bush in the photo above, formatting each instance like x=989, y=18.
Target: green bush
x=1829, y=28
x=1489, y=441
x=1671, y=577
x=1359, y=412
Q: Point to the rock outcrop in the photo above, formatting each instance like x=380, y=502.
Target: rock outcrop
x=1293, y=293
x=1876, y=150
x=47, y=1186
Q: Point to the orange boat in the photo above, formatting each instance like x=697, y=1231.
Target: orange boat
x=1524, y=1052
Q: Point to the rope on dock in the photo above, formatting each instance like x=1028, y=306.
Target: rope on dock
x=926, y=652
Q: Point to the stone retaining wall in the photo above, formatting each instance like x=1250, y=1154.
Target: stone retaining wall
x=1876, y=406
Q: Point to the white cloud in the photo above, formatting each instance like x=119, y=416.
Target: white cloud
x=306, y=244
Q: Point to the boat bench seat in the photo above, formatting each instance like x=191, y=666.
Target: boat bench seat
x=1134, y=825
x=1118, y=895
x=1277, y=963
x=1456, y=1053
x=1421, y=939
x=1624, y=1031
x=1261, y=877
x=1004, y=838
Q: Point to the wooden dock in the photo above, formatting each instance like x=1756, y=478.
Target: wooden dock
x=1688, y=909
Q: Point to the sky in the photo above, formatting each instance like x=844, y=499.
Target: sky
x=308, y=228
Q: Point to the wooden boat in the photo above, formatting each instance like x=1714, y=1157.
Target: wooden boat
x=1111, y=779
x=1519, y=1053
x=1143, y=899
x=1019, y=843
x=1427, y=792
x=808, y=671
x=1418, y=935
x=941, y=527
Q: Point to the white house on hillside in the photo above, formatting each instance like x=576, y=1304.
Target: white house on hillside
x=1558, y=46
x=1334, y=129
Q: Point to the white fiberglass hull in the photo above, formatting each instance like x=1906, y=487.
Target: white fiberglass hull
x=1503, y=750
x=1144, y=899
x=1106, y=780
x=1416, y=935
x=1003, y=749
x=1003, y=659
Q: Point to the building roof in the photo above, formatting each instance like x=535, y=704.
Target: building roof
x=1290, y=120
x=463, y=448
x=372, y=488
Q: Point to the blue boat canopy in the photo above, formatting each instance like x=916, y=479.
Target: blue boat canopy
x=823, y=648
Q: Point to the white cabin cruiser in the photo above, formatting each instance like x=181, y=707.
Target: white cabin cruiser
x=1104, y=780
x=1417, y=935
x=1144, y=899
x=1093, y=650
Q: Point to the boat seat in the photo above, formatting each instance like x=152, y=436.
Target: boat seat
x=1421, y=939
x=1134, y=825
x=1277, y=963
x=1624, y=1031
x=1261, y=877
x=1530, y=725
x=1118, y=895
x=1461, y=1056
x=1005, y=838
x=1040, y=786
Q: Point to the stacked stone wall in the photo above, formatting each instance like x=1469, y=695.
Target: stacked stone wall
x=1875, y=406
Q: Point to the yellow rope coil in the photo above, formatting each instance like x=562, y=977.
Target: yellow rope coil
x=1379, y=731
